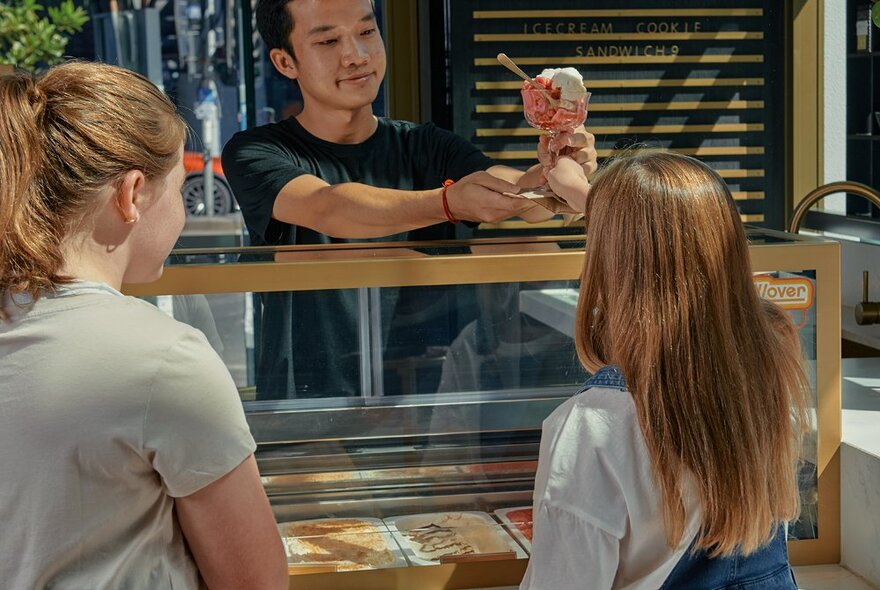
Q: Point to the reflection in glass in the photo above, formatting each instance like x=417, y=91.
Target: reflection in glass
x=505, y=347
x=403, y=341
x=478, y=340
x=801, y=306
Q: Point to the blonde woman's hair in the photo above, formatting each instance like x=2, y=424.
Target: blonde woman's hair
x=64, y=137
x=714, y=371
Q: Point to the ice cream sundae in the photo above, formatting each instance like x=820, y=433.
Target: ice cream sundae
x=568, y=108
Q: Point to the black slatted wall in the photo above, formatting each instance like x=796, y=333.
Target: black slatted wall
x=704, y=78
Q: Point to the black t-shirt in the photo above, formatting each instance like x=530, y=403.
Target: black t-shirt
x=309, y=341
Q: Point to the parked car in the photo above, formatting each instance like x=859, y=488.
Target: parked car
x=194, y=186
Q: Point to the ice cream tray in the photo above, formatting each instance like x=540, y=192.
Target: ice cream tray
x=301, y=564
x=478, y=530
x=511, y=526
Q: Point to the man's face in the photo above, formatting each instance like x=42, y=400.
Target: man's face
x=340, y=57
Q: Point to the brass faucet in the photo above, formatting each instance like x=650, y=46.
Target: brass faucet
x=820, y=192
x=867, y=312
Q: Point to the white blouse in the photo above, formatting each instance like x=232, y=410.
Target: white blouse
x=598, y=522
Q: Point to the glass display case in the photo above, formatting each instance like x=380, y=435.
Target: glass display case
x=396, y=392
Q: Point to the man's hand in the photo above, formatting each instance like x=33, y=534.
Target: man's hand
x=567, y=179
x=579, y=145
x=477, y=197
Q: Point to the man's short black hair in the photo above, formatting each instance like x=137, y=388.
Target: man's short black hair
x=275, y=24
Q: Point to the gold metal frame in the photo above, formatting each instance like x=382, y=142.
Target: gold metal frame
x=805, y=99
x=824, y=258
x=517, y=260
x=394, y=264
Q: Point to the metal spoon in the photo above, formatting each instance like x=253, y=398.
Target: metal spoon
x=508, y=63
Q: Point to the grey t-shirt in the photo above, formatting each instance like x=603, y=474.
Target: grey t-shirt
x=109, y=410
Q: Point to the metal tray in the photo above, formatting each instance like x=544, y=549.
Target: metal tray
x=511, y=527
x=500, y=544
x=297, y=565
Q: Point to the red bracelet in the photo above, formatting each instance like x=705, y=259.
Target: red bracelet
x=446, y=184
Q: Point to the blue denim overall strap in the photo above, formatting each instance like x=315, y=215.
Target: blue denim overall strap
x=607, y=376
x=765, y=569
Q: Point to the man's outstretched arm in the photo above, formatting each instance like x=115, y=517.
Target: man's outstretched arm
x=354, y=210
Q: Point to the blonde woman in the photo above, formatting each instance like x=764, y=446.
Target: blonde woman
x=126, y=459
x=675, y=467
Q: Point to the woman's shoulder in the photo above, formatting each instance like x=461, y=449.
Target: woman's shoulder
x=156, y=329
x=591, y=450
x=101, y=319
x=598, y=417
x=602, y=411
x=594, y=436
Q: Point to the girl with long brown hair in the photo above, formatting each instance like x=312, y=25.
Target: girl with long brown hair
x=126, y=458
x=675, y=467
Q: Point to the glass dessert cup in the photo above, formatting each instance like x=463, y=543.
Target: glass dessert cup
x=540, y=114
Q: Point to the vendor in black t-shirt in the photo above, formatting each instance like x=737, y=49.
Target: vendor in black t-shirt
x=337, y=173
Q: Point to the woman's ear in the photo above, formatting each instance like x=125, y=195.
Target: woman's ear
x=129, y=195
x=284, y=63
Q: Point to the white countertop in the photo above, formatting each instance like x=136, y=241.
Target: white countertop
x=860, y=391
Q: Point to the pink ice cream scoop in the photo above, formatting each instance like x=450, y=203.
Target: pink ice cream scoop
x=570, y=111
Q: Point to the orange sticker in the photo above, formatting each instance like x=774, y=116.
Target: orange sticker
x=792, y=293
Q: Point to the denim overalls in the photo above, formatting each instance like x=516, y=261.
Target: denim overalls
x=765, y=569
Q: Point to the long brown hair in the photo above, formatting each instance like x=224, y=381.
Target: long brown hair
x=715, y=372
x=64, y=137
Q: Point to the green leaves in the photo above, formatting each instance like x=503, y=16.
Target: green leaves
x=30, y=40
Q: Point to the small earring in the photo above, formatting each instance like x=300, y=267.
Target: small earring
x=133, y=219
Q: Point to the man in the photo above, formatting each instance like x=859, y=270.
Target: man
x=336, y=172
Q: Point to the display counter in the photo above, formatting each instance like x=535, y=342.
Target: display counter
x=398, y=432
